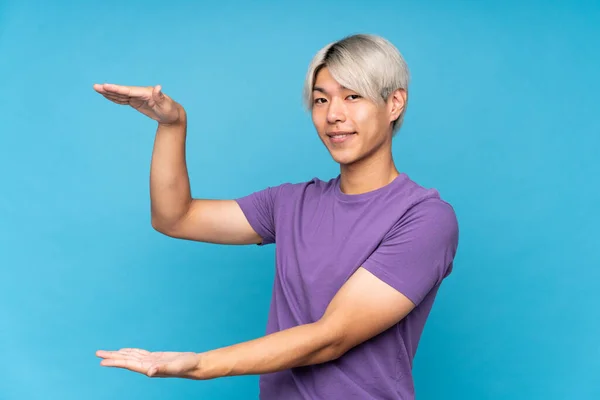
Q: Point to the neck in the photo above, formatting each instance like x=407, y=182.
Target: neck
x=369, y=174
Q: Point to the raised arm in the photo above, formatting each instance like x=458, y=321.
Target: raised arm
x=174, y=212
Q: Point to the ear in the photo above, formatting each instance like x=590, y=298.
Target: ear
x=397, y=103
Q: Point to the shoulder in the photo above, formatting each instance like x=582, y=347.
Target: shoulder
x=429, y=214
x=425, y=211
x=435, y=215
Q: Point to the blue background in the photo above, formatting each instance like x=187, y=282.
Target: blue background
x=502, y=120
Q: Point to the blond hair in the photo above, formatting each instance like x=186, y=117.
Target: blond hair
x=367, y=64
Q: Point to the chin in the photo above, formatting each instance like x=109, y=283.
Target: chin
x=344, y=158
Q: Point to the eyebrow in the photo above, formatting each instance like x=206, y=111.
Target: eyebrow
x=320, y=89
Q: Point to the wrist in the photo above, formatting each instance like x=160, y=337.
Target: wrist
x=207, y=366
x=196, y=372
x=180, y=122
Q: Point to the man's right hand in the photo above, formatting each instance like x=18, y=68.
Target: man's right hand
x=174, y=212
x=150, y=101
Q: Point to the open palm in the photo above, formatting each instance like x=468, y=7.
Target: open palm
x=150, y=101
x=153, y=364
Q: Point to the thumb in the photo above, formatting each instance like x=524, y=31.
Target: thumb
x=157, y=94
x=155, y=370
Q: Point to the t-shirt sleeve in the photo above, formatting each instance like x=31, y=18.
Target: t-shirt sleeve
x=418, y=252
x=259, y=209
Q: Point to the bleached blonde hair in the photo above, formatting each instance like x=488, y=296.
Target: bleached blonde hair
x=367, y=64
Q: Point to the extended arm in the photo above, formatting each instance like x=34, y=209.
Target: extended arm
x=364, y=307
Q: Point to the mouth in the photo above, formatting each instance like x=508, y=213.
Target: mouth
x=340, y=137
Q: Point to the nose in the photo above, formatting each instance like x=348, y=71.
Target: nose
x=336, y=111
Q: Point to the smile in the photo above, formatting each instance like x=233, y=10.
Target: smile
x=339, y=137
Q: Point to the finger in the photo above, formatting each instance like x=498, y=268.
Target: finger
x=111, y=354
x=135, y=350
x=123, y=91
x=102, y=87
x=157, y=94
x=129, y=91
x=98, y=88
x=136, y=354
x=116, y=96
x=128, y=354
x=120, y=99
x=117, y=100
x=104, y=353
x=114, y=90
x=109, y=94
x=126, y=350
x=163, y=370
x=155, y=370
x=120, y=354
x=132, y=365
x=112, y=96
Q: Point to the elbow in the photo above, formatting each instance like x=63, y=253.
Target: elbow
x=337, y=349
x=161, y=226
x=335, y=344
x=334, y=350
x=157, y=225
x=168, y=221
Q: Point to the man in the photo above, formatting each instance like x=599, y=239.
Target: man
x=359, y=258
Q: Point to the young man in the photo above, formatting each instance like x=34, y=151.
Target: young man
x=359, y=258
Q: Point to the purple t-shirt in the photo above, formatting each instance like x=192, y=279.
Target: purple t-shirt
x=402, y=233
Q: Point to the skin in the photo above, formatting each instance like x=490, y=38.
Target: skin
x=363, y=307
x=366, y=161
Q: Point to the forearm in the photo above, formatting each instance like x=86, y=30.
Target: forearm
x=170, y=193
x=299, y=346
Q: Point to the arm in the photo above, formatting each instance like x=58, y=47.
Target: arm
x=174, y=212
x=412, y=259
x=364, y=307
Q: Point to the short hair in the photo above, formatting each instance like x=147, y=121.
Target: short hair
x=367, y=64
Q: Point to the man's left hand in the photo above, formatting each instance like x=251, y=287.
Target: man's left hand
x=153, y=364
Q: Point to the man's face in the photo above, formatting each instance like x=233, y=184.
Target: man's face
x=352, y=128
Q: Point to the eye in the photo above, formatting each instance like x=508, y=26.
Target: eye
x=319, y=100
x=354, y=97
